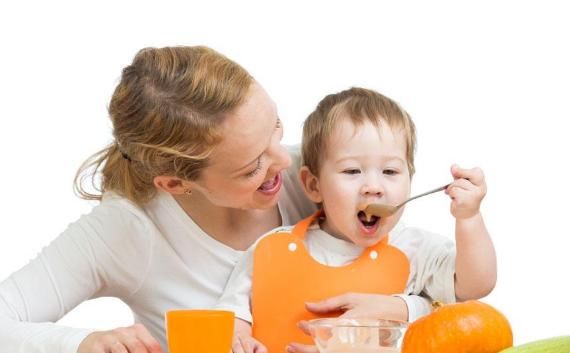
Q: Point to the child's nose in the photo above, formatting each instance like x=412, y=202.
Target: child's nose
x=372, y=187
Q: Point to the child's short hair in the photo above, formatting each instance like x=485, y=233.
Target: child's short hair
x=357, y=105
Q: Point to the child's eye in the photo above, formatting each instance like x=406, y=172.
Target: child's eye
x=390, y=172
x=351, y=171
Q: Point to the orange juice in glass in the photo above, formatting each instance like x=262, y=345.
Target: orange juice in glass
x=199, y=331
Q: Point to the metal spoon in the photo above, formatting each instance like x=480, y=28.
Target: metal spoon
x=381, y=210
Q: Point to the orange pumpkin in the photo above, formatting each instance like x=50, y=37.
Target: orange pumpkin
x=468, y=327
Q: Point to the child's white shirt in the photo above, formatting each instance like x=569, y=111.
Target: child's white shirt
x=431, y=256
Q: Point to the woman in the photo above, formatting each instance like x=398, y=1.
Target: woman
x=195, y=174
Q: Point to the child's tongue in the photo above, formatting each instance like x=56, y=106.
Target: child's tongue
x=362, y=218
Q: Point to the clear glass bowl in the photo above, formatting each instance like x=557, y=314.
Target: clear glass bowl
x=338, y=335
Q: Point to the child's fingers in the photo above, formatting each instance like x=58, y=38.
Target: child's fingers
x=475, y=175
x=301, y=348
x=304, y=326
x=247, y=344
x=461, y=184
x=464, y=188
x=236, y=346
x=259, y=347
x=457, y=194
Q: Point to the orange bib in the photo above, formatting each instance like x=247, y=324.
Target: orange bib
x=285, y=276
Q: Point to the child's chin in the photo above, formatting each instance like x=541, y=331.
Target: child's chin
x=369, y=241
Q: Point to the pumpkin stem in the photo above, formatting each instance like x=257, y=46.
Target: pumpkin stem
x=436, y=304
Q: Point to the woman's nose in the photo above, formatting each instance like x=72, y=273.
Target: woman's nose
x=280, y=159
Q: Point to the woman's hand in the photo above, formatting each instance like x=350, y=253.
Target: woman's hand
x=466, y=191
x=131, y=339
x=242, y=341
x=353, y=305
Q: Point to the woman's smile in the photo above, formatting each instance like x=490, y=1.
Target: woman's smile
x=271, y=186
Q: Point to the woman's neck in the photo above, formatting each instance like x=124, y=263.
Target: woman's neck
x=237, y=228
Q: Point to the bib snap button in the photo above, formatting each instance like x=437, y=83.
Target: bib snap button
x=373, y=254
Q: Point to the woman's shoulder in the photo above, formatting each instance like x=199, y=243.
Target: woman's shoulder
x=116, y=219
x=116, y=207
x=294, y=203
x=115, y=234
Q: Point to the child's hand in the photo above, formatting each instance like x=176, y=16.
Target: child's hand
x=247, y=344
x=301, y=348
x=243, y=342
x=466, y=191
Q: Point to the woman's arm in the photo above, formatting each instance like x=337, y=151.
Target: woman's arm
x=401, y=308
x=82, y=263
x=389, y=307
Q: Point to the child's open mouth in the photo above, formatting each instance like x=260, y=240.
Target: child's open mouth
x=369, y=225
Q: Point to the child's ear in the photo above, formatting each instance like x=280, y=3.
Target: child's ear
x=310, y=184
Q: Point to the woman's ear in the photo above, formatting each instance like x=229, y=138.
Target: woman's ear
x=172, y=185
x=310, y=184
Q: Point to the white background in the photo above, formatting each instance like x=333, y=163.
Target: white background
x=487, y=85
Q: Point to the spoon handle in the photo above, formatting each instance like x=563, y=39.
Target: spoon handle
x=424, y=194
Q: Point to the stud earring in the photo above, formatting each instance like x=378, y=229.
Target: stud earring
x=188, y=192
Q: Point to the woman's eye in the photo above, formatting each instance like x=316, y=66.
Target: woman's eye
x=390, y=172
x=351, y=171
x=255, y=171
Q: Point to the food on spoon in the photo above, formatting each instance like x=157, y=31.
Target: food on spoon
x=377, y=209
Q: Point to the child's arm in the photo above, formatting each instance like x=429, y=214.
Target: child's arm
x=476, y=263
x=236, y=298
x=242, y=341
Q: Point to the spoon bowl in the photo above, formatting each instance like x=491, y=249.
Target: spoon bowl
x=382, y=210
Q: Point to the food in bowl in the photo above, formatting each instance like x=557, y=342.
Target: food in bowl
x=344, y=335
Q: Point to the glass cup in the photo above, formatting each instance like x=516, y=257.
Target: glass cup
x=199, y=331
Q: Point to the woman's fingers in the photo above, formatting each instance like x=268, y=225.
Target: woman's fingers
x=339, y=303
x=134, y=345
x=118, y=347
x=131, y=339
x=146, y=339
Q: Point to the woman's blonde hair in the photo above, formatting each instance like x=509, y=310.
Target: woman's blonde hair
x=357, y=105
x=165, y=112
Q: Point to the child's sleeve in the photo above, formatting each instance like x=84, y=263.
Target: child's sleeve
x=238, y=289
x=434, y=268
x=432, y=263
